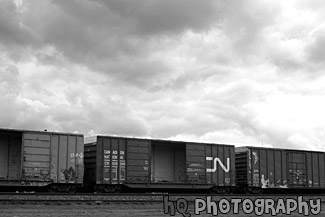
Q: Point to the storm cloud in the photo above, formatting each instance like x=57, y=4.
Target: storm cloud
x=236, y=72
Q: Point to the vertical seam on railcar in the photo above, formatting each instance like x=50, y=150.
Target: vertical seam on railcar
x=59, y=161
x=22, y=154
x=312, y=169
x=75, y=159
x=50, y=156
x=318, y=172
x=259, y=169
x=8, y=157
x=118, y=169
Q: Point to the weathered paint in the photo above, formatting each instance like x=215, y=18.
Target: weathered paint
x=105, y=160
x=138, y=160
x=118, y=160
x=36, y=156
x=283, y=168
x=40, y=158
x=211, y=164
x=53, y=157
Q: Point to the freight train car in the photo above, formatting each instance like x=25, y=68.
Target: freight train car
x=116, y=163
x=40, y=158
x=270, y=169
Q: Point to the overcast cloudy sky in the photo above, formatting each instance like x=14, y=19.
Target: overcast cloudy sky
x=223, y=71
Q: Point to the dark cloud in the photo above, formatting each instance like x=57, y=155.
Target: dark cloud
x=160, y=69
x=117, y=37
x=13, y=32
x=315, y=50
x=165, y=17
x=245, y=21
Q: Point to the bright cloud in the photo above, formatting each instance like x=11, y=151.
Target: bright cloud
x=235, y=72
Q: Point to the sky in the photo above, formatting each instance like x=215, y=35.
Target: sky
x=218, y=71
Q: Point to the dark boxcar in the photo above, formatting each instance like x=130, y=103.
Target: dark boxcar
x=40, y=158
x=113, y=162
x=270, y=168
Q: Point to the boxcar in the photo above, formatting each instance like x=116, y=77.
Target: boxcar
x=40, y=158
x=116, y=163
x=259, y=169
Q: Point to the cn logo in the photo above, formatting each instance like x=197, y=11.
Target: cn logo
x=217, y=160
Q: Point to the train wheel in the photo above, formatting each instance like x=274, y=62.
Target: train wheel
x=51, y=188
x=112, y=189
x=227, y=190
x=214, y=190
x=99, y=188
x=108, y=189
x=66, y=188
x=248, y=190
x=117, y=189
x=72, y=189
x=258, y=190
x=220, y=190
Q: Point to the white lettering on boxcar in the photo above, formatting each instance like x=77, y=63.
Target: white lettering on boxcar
x=216, y=160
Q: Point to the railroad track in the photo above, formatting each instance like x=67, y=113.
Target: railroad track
x=124, y=198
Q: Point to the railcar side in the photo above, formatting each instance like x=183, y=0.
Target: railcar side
x=41, y=158
x=114, y=163
x=279, y=170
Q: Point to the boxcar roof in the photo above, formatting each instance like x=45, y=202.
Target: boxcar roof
x=37, y=131
x=94, y=138
x=281, y=149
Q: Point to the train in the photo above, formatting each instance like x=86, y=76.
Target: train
x=41, y=159
x=69, y=162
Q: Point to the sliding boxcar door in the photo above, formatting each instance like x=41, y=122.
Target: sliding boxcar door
x=297, y=165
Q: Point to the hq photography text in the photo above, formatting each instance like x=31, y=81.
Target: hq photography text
x=258, y=207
